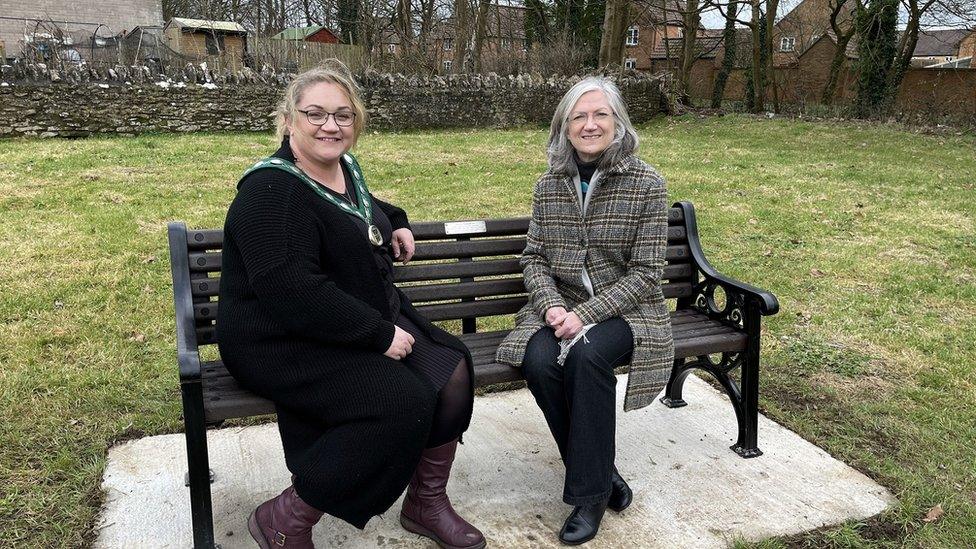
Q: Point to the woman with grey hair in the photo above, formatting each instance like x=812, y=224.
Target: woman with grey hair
x=371, y=397
x=593, y=264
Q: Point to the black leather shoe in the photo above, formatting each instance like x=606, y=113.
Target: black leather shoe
x=620, y=494
x=582, y=524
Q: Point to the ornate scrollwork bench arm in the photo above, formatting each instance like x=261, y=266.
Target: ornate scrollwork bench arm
x=742, y=310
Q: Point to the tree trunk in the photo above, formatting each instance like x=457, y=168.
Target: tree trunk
x=840, y=55
x=479, y=34
x=728, y=59
x=690, y=20
x=770, y=75
x=758, y=104
x=903, y=58
x=836, y=64
x=462, y=18
x=614, y=32
x=404, y=25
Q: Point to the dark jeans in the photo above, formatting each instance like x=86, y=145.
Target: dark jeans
x=579, y=402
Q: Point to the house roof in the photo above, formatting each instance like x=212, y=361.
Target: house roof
x=705, y=47
x=300, y=33
x=850, y=51
x=658, y=12
x=940, y=43
x=201, y=24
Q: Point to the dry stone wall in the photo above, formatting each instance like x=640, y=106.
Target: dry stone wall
x=126, y=101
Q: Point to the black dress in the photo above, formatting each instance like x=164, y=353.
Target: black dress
x=305, y=316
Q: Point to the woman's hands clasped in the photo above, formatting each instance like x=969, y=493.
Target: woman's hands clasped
x=402, y=344
x=566, y=323
x=403, y=244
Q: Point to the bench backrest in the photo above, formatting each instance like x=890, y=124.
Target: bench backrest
x=461, y=270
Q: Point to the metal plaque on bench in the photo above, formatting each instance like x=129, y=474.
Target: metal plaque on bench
x=465, y=227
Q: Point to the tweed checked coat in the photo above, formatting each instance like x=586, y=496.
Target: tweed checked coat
x=622, y=240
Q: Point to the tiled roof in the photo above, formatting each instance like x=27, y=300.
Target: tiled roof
x=198, y=24
x=940, y=43
x=705, y=47
x=299, y=33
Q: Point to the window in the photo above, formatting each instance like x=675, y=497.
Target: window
x=787, y=43
x=447, y=66
x=525, y=45
x=391, y=48
x=632, y=33
x=448, y=44
x=630, y=63
x=215, y=43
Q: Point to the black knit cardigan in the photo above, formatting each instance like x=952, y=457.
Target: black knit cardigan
x=297, y=270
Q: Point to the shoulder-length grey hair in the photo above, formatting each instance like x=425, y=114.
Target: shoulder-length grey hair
x=560, y=149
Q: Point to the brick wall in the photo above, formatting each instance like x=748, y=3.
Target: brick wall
x=929, y=94
x=394, y=102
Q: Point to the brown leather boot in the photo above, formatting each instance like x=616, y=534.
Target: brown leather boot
x=426, y=509
x=284, y=521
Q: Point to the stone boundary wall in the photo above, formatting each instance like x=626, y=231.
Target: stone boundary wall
x=127, y=101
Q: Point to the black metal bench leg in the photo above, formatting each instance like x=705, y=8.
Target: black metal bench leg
x=198, y=462
x=672, y=393
x=747, y=446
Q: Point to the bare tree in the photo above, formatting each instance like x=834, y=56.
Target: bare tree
x=728, y=57
x=481, y=26
x=843, y=35
x=615, y=23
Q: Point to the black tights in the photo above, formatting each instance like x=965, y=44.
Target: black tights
x=454, y=406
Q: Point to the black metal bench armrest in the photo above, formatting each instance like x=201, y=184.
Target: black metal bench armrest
x=187, y=354
x=189, y=363
x=768, y=304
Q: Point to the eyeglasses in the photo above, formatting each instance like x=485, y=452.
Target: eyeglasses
x=320, y=118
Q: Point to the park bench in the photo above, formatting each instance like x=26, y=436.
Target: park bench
x=467, y=271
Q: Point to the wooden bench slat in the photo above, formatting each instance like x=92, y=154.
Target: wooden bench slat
x=675, y=216
x=430, y=230
x=206, y=335
x=710, y=344
x=482, y=339
x=480, y=308
x=239, y=406
x=456, y=269
x=205, y=287
x=684, y=315
x=677, y=233
x=204, y=262
x=205, y=239
x=676, y=271
x=676, y=289
x=678, y=252
x=205, y=311
x=453, y=290
x=469, y=248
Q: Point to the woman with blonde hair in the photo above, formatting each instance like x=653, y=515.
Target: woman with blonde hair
x=592, y=264
x=370, y=396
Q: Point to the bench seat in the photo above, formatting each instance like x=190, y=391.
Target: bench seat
x=694, y=334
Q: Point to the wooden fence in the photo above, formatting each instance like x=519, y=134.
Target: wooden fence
x=297, y=55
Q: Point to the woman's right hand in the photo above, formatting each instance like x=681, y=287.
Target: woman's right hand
x=555, y=316
x=402, y=344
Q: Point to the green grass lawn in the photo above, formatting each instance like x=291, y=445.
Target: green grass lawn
x=867, y=234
